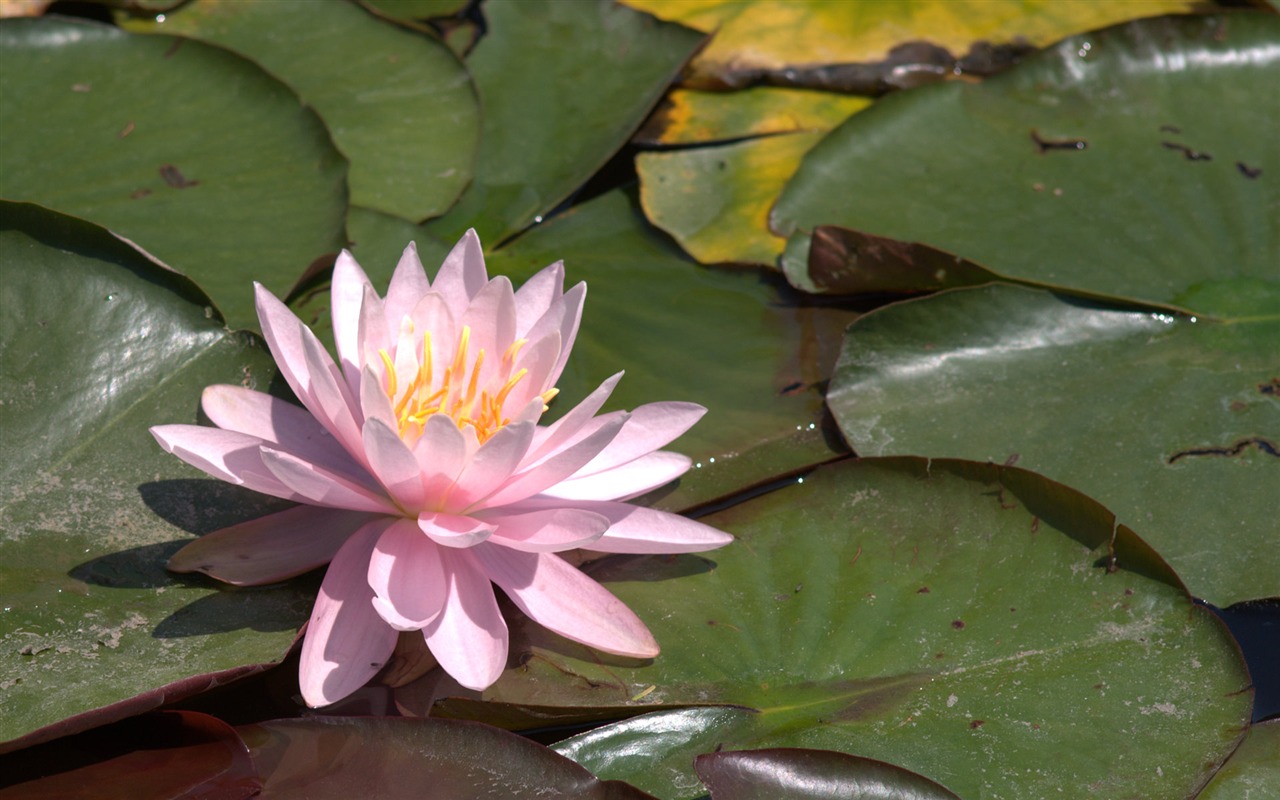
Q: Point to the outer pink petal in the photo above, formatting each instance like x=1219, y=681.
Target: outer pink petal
x=321, y=487
x=469, y=637
x=462, y=274
x=649, y=428
x=270, y=548
x=281, y=424
x=408, y=285
x=491, y=465
x=346, y=642
x=226, y=455
x=634, y=529
x=332, y=402
x=392, y=462
x=535, y=297
x=629, y=480
x=454, y=531
x=561, y=598
x=547, y=531
x=563, y=317
x=555, y=435
x=554, y=468
x=407, y=577
x=347, y=295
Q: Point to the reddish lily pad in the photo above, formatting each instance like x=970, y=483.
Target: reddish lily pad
x=797, y=774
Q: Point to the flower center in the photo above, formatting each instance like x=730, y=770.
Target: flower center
x=457, y=390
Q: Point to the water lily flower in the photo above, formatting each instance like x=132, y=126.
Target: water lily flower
x=425, y=476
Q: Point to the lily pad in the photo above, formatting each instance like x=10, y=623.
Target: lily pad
x=1171, y=421
x=852, y=45
x=715, y=201
x=234, y=181
x=797, y=774
x=1253, y=773
x=340, y=758
x=1138, y=161
x=692, y=117
x=399, y=104
x=979, y=625
x=100, y=342
x=557, y=103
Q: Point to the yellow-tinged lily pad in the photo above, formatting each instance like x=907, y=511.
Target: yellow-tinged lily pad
x=689, y=116
x=715, y=201
x=769, y=36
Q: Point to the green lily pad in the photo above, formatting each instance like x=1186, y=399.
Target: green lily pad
x=1171, y=421
x=563, y=86
x=1138, y=161
x=977, y=624
x=1253, y=773
x=234, y=181
x=99, y=342
x=399, y=104
x=341, y=758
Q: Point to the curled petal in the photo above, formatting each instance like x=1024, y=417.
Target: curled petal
x=462, y=275
x=635, y=529
x=562, y=599
x=558, y=434
x=407, y=577
x=392, y=462
x=650, y=427
x=451, y=530
x=629, y=480
x=226, y=455
x=535, y=297
x=408, y=285
x=348, y=294
x=321, y=487
x=346, y=641
x=547, y=531
x=469, y=636
x=270, y=548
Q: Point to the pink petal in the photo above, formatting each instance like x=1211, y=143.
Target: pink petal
x=372, y=333
x=563, y=317
x=374, y=403
x=547, y=531
x=451, y=530
x=469, y=637
x=393, y=463
x=226, y=455
x=288, y=339
x=347, y=295
x=408, y=285
x=332, y=402
x=537, y=294
x=629, y=480
x=346, y=641
x=407, y=577
x=555, y=435
x=282, y=424
x=492, y=319
x=538, y=357
x=321, y=487
x=491, y=465
x=554, y=468
x=650, y=427
x=634, y=529
x=462, y=274
x=441, y=453
x=270, y=548
x=432, y=314
x=562, y=599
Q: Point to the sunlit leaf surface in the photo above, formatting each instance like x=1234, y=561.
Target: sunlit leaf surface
x=398, y=103
x=235, y=183
x=1173, y=422
x=693, y=117
x=1135, y=161
x=798, y=774
x=761, y=40
x=100, y=343
x=963, y=621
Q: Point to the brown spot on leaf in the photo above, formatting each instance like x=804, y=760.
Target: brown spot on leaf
x=1044, y=145
x=1248, y=171
x=922, y=590
x=958, y=624
x=1187, y=152
x=174, y=177
x=976, y=723
x=1234, y=449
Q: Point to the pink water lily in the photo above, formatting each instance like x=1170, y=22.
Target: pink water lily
x=425, y=476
